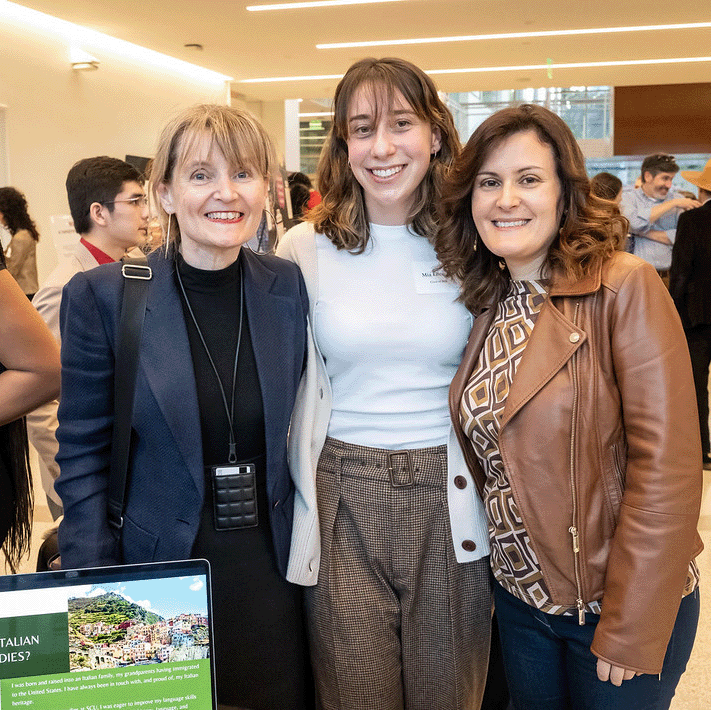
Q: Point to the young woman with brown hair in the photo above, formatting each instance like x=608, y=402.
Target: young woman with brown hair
x=574, y=405
x=387, y=524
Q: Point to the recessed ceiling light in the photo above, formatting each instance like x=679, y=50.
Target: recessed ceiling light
x=515, y=35
x=481, y=70
x=311, y=3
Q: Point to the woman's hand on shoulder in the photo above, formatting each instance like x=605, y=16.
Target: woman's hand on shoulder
x=616, y=675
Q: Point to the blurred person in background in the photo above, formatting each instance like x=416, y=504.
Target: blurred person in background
x=107, y=201
x=305, y=180
x=21, y=252
x=690, y=287
x=607, y=186
x=29, y=375
x=653, y=211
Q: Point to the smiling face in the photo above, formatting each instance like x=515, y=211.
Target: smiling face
x=517, y=203
x=218, y=206
x=389, y=153
x=658, y=186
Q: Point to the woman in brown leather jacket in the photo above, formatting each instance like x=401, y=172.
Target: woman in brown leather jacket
x=574, y=405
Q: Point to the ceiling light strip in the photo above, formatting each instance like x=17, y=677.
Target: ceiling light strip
x=573, y=65
x=273, y=79
x=482, y=70
x=312, y=3
x=516, y=35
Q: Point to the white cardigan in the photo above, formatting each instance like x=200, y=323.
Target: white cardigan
x=307, y=434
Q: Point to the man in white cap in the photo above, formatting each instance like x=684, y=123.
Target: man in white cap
x=690, y=287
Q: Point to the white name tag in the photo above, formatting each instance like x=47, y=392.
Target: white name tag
x=427, y=280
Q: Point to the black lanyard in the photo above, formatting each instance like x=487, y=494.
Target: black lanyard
x=229, y=411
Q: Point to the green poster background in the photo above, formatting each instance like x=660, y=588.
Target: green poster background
x=50, y=655
x=184, y=685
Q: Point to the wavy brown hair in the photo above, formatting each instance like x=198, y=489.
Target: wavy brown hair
x=589, y=232
x=342, y=216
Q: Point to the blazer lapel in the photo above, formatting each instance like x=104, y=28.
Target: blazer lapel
x=270, y=320
x=167, y=364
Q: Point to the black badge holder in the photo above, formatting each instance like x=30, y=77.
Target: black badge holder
x=234, y=490
x=136, y=274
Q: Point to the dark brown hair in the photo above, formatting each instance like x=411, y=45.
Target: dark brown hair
x=659, y=163
x=588, y=231
x=15, y=468
x=98, y=179
x=606, y=185
x=341, y=216
x=13, y=206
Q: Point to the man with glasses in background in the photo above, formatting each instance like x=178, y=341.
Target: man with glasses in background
x=653, y=211
x=109, y=208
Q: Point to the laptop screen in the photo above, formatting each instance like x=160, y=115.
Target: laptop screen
x=111, y=638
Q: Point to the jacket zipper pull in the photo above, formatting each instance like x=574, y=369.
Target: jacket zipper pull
x=576, y=549
x=581, y=611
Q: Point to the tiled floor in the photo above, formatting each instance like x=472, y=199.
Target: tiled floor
x=694, y=691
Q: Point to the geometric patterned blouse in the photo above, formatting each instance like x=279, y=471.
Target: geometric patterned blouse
x=513, y=560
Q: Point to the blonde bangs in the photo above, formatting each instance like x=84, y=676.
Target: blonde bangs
x=238, y=136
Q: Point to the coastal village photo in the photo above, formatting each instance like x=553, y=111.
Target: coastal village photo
x=108, y=631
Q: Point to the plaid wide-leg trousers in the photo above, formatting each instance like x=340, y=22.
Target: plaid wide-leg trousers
x=395, y=622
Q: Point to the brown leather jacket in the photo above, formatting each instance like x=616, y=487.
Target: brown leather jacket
x=600, y=440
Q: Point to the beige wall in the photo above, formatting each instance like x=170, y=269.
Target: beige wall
x=56, y=115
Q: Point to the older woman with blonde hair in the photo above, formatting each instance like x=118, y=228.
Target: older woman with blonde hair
x=574, y=404
x=224, y=343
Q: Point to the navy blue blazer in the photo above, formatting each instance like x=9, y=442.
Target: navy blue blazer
x=166, y=479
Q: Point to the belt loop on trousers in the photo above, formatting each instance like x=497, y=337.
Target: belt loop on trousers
x=400, y=469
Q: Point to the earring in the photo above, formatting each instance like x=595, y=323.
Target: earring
x=167, y=242
x=262, y=235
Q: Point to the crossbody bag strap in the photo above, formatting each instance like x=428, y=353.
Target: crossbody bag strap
x=136, y=274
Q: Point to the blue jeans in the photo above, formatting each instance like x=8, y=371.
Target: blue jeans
x=549, y=665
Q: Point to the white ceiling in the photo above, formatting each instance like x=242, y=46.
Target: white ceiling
x=248, y=45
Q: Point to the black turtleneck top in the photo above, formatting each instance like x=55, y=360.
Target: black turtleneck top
x=260, y=648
